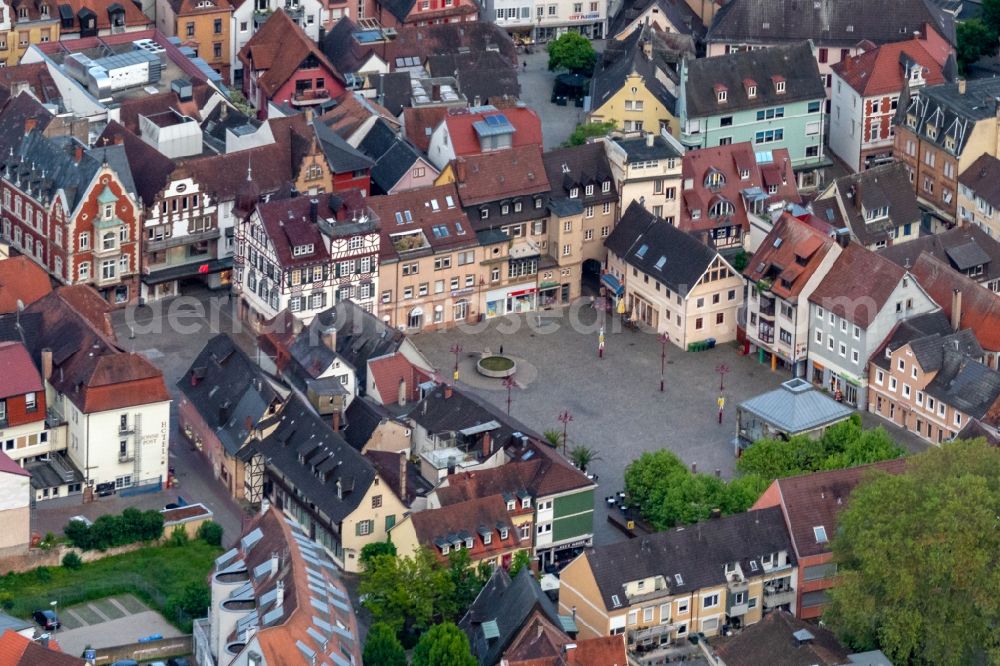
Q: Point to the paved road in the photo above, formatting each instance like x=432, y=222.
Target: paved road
x=536, y=81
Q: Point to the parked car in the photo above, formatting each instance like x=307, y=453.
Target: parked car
x=46, y=619
x=82, y=519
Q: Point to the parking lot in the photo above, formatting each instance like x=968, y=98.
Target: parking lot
x=109, y=622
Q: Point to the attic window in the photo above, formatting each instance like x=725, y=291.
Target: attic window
x=615, y=601
x=820, y=533
x=911, y=121
x=503, y=533
x=511, y=505
x=468, y=542
x=850, y=28
x=589, y=190
x=606, y=186
x=721, y=94
x=753, y=565
x=300, y=250
x=931, y=132
x=779, y=86
x=751, y=87
x=949, y=143
x=525, y=502
x=678, y=579
x=484, y=213
x=487, y=538
x=445, y=548
x=877, y=213
x=574, y=193
x=565, y=168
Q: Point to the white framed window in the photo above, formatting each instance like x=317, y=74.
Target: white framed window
x=710, y=600
x=683, y=605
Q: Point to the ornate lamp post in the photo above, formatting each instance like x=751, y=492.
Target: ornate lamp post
x=664, y=339
x=723, y=370
x=565, y=417
x=456, y=349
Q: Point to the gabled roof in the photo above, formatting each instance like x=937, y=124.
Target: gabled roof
x=279, y=47
x=393, y=370
x=980, y=306
x=931, y=325
x=497, y=175
x=293, y=595
x=681, y=17
x=340, y=155
x=16, y=115
x=33, y=78
x=156, y=167
x=951, y=112
x=689, y=558
x=316, y=460
x=393, y=155
x=796, y=407
x=685, y=259
x=881, y=71
x=762, y=170
x=409, y=219
x=288, y=226
x=461, y=125
x=506, y=603
x=21, y=280
x=392, y=90
x=342, y=50
x=388, y=466
x=423, y=41
x=963, y=248
x=791, y=243
x=577, y=167
x=450, y=410
x=487, y=75
x=361, y=418
x=88, y=366
x=10, y=466
x=828, y=22
x=983, y=178
x=736, y=72
x=19, y=374
x=961, y=381
x=622, y=59
x=419, y=123
x=222, y=176
x=773, y=641
x=861, y=278
x=102, y=10
x=816, y=499
x=228, y=390
x=881, y=186
x=16, y=650
x=449, y=524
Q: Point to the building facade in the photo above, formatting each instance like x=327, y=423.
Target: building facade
x=647, y=169
x=204, y=25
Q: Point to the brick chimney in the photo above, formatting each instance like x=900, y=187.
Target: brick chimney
x=30, y=124
x=335, y=424
x=956, y=309
x=460, y=170
x=78, y=153
x=46, y=363
x=447, y=391
x=487, y=445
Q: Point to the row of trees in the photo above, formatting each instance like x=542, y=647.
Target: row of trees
x=667, y=493
x=916, y=554
x=411, y=594
x=111, y=531
x=444, y=645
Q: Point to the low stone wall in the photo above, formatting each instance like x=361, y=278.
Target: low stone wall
x=145, y=652
x=37, y=557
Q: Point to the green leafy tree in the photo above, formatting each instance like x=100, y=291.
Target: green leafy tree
x=444, y=645
x=573, y=52
x=581, y=456
x=990, y=15
x=152, y=526
x=744, y=491
x=917, y=559
x=586, y=131
x=406, y=592
x=210, y=532
x=740, y=261
x=521, y=559
x=78, y=534
x=466, y=582
x=72, y=561
x=382, y=647
x=372, y=550
x=178, y=536
x=975, y=39
x=648, y=479
x=193, y=600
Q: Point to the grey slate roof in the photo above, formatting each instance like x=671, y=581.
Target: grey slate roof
x=438, y=413
x=796, y=406
x=954, y=115
x=685, y=258
x=340, y=155
x=931, y=324
x=887, y=185
x=639, y=151
x=965, y=383
x=698, y=553
x=827, y=22
x=228, y=390
x=930, y=351
x=13, y=623
x=577, y=167
x=362, y=417
x=963, y=248
x=393, y=155
x=983, y=178
x=793, y=62
x=392, y=90
x=621, y=59
x=341, y=49
x=311, y=457
x=680, y=15
x=508, y=603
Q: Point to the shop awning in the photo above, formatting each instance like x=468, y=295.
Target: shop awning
x=612, y=283
x=548, y=284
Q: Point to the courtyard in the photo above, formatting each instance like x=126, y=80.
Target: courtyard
x=615, y=401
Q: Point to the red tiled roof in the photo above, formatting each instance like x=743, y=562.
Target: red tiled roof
x=23, y=280
x=223, y=175
x=465, y=141
x=287, y=224
x=980, y=306
x=730, y=161
x=789, y=241
x=19, y=374
x=9, y=465
x=389, y=371
x=504, y=173
x=540, y=643
x=134, y=18
x=279, y=47
x=858, y=285
x=880, y=72
x=16, y=650
x=466, y=518
x=416, y=205
x=187, y=7
x=814, y=500
x=419, y=122
x=35, y=76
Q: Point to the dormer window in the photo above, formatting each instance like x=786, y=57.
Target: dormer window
x=877, y=213
x=911, y=121
x=109, y=211
x=949, y=143
x=487, y=538
x=504, y=209
x=525, y=502
x=744, y=174
x=767, y=560
x=22, y=12
x=721, y=94
x=503, y=533
x=696, y=214
x=445, y=548
x=300, y=250
x=574, y=192
x=751, y=88
x=484, y=213
x=715, y=179
x=511, y=505
x=468, y=543
x=538, y=202
x=606, y=186
x=517, y=206
x=931, y=132
x=779, y=84
x=589, y=190
x=44, y=11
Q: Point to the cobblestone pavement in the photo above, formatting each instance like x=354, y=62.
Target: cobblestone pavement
x=536, y=82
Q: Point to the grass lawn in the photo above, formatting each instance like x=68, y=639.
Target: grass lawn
x=162, y=576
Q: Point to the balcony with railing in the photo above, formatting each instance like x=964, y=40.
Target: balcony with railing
x=649, y=635
x=737, y=583
x=310, y=97
x=778, y=594
x=767, y=306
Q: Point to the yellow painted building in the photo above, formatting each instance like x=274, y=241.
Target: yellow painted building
x=724, y=573
x=634, y=107
x=23, y=24
x=202, y=24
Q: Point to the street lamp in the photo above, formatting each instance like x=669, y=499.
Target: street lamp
x=456, y=349
x=509, y=383
x=723, y=370
x=55, y=609
x=664, y=339
x=565, y=417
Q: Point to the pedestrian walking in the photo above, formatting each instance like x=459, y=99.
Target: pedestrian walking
x=501, y=350
x=524, y=64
